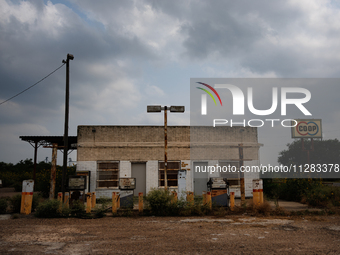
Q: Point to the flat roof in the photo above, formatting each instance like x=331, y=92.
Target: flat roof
x=50, y=140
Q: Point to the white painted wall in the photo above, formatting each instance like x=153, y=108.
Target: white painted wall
x=151, y=175
x=124, y=169
x=186, y=165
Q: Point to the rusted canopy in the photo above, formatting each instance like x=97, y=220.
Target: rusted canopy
x=50, y=140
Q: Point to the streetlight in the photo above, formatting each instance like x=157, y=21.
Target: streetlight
x=158, y=108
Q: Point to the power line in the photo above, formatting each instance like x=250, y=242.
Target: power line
x=33, y=84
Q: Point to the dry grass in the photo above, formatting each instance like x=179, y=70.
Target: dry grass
x=263, y=209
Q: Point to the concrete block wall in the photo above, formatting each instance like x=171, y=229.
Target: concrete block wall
x=132, y=143
x=151, y=175
x=214, y=142
x=249, y=177
x=186, y=165
x=125, y=169
x=146, y=143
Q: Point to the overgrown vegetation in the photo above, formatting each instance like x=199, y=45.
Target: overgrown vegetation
x=56, y=209
x=3, y=205
x=15, y=202
x=306, y=190
x=77, y=209
x=161, y=202
x=322, y=196
x=310, y=191
x=12, y=175
x=101, y=208
x=51, y=209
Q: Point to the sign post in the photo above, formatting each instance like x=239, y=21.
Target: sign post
x=307, y=128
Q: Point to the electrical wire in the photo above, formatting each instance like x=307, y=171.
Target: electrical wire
x=32, y=85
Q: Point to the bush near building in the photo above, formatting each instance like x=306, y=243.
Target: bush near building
x=160, y=202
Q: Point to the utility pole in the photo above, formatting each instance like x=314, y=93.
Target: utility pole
x=35, y=162
x=165, y=148
x=53, y=170
x=243, y=193
x=67, y=62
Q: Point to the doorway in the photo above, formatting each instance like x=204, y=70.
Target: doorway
x=200, y=178
x=138, y=171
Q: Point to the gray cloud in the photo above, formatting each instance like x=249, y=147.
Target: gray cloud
x=289, y=39
x=132, y=53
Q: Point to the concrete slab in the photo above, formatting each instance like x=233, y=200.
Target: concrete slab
x=5, y=216
x=287, y=205
x=293, y=206
x=206, y=220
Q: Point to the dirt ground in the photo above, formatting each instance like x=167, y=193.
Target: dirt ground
x=172, y=235
x=237, y=234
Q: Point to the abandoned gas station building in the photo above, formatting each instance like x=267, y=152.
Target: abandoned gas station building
x=108, y=153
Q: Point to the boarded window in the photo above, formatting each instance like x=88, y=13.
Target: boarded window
x=172, y=173
x=232, y=177
x=108, y=174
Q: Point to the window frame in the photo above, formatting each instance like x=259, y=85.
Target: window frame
x=171, y=170
x=108, y=170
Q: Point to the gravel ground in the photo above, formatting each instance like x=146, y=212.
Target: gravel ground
x=172, y=235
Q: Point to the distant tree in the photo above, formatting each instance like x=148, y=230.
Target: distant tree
x=23, y=166
x=325, y=152
x=13, y=175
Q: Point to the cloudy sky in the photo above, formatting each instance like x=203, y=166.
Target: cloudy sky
x=129, y=54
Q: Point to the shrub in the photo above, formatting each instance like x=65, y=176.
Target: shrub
x=15, y=202
x=100, y=210
x=77, y=209
x=219, y=211
x=289, y=189
x=323, y=196
x=159, y=201
x=263, y=208
x=17, y=186
x=51, y=209
x=3, y=205
x=15, y=216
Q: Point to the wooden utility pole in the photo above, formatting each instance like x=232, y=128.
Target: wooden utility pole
x=165, y=148
x=67, y=96
x=53, y=170
x=241, y=160
x=243, y=193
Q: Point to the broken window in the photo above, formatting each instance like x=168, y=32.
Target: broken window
x=172, y=173
x=108, y=174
